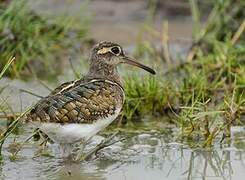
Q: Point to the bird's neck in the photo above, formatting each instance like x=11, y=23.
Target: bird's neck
x=104, y=71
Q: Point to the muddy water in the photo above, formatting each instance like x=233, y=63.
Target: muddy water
x=143, y=155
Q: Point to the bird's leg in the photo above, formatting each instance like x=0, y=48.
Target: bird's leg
x=104, y=143
x=80, y=151
x=66, y=149
x=42, y=146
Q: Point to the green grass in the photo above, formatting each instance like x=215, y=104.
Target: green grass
x=204, y=102
x=31, y=37
x=3, y=107
x=142, y=96
x=6, y=66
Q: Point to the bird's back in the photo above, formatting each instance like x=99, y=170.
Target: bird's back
x=81, y=101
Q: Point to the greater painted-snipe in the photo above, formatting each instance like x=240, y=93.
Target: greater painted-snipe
x=77, y=110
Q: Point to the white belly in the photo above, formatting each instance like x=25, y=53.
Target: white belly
x=72, y=133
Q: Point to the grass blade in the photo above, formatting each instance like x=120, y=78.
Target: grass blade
x=6, y=66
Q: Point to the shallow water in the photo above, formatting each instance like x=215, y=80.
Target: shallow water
x=148, y=154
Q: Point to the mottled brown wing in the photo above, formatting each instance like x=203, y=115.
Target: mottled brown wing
x=83, y=102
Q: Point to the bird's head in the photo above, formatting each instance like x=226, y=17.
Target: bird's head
x=113, y=54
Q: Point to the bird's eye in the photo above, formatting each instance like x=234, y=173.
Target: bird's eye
x=115, y=50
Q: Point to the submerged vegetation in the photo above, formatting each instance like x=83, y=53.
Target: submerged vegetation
x=32, y=38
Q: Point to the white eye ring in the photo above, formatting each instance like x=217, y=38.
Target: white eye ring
x=116, y=50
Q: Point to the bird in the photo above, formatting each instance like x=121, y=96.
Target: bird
x=77, y=110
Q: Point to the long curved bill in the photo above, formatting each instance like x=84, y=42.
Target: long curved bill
x=131, y=61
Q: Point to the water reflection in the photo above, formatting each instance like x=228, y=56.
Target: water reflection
x=182, y=163
x=142, y=156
